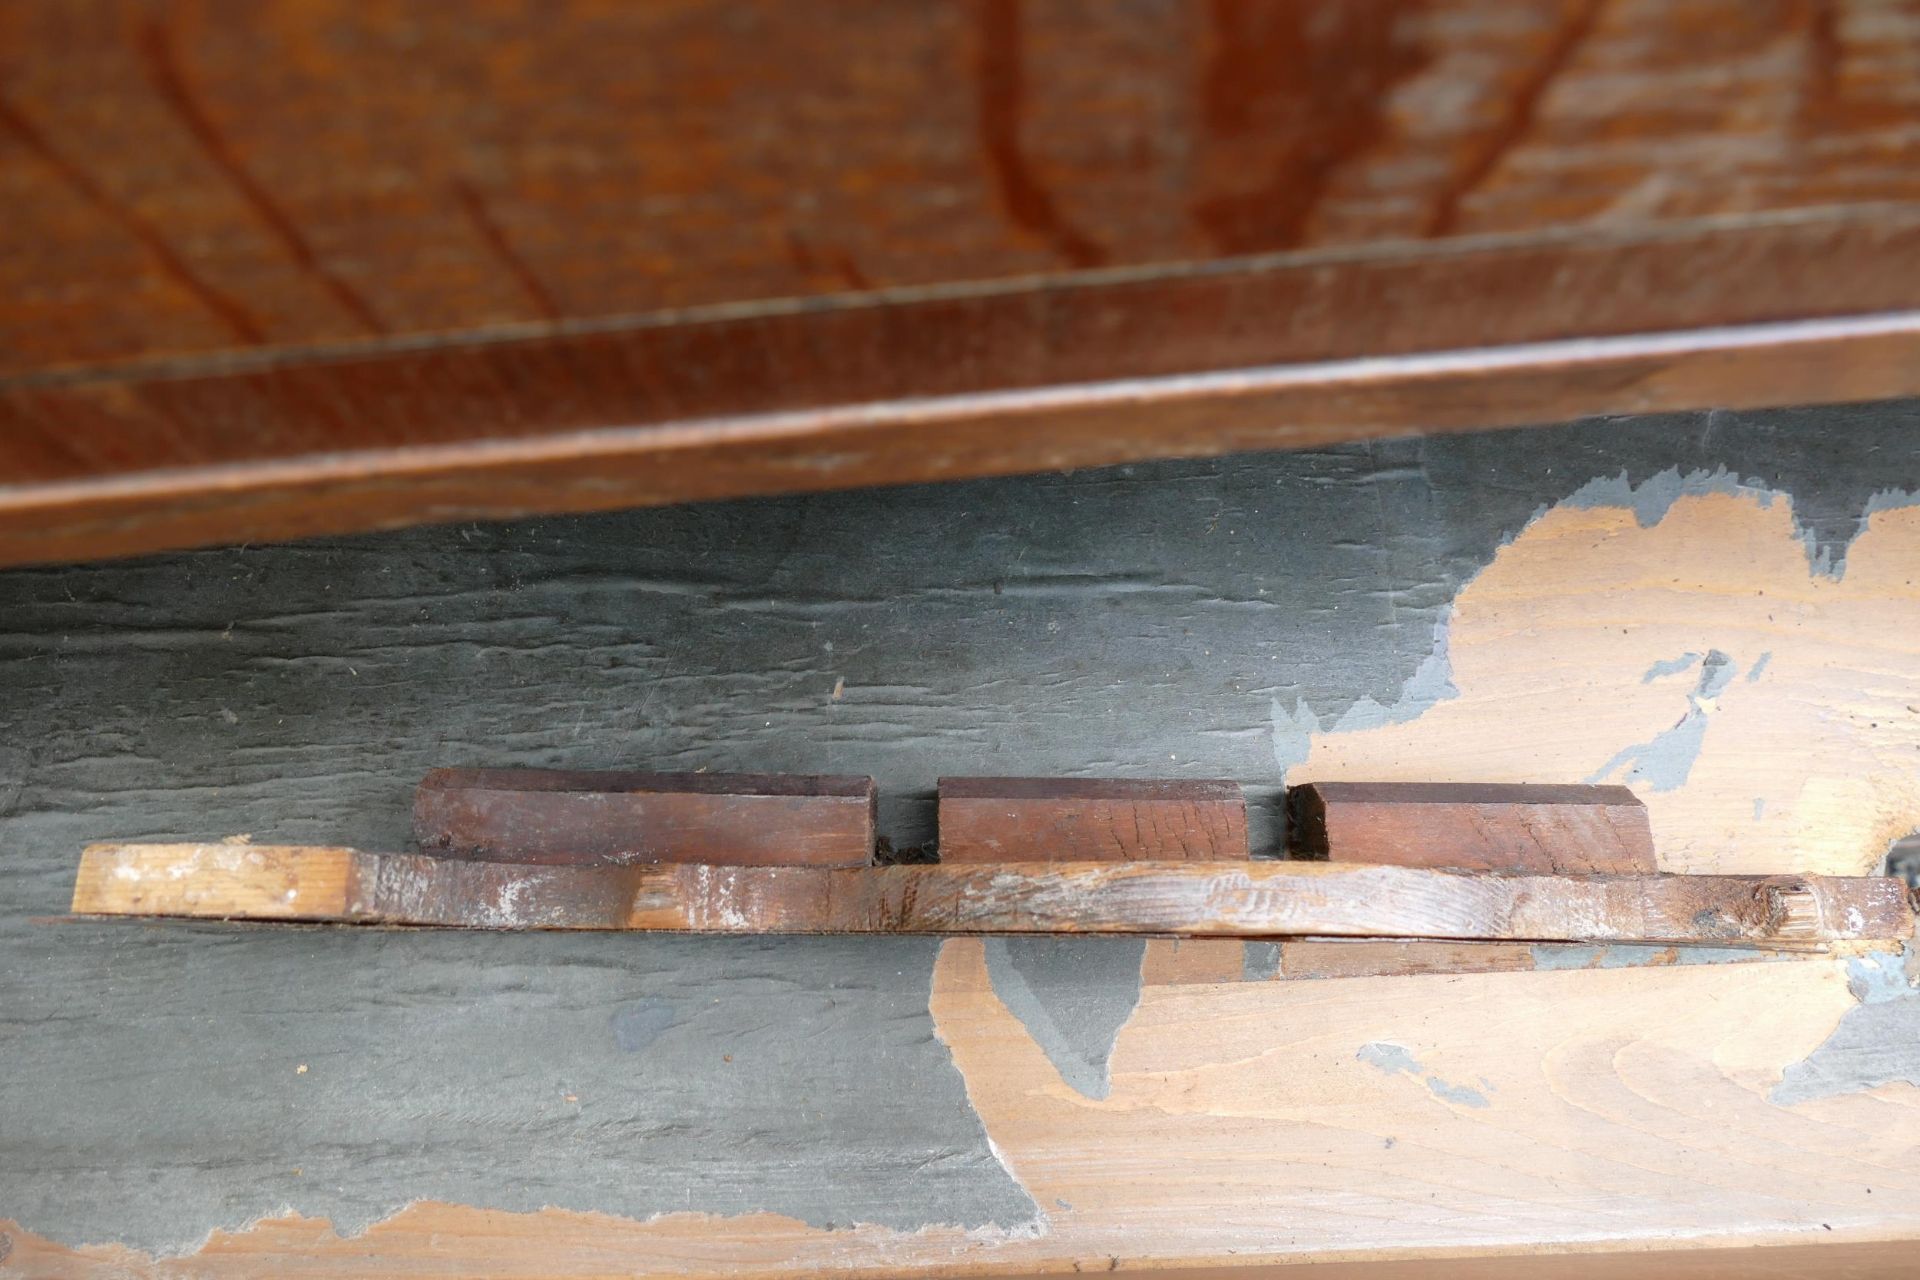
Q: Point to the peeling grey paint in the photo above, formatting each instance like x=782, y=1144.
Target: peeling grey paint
x=1073, y=994
x=1826, y=536
x=1880, y=976
x=1549, y=955
x=1389, y=1058
x=1653, y=497
x=1669, y=667
x=1717, y=671
x=1876, y=1043
x=1569, y=955
x=1202, y=619
x=1760, y=665
x=618, y=1074
x=1260, y=961
x=1646, y=465
x=1431, y=683
x=1664, y=762
x=1292, y=733
x=1458, y=1094
x=1396, y=1059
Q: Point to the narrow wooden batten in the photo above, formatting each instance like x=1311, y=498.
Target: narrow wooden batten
x=1259, y=899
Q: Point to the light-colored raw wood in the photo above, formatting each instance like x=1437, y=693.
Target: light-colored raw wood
x=1256, y=899
x=1806, y=752
x=228, y=881
x=1313, y=958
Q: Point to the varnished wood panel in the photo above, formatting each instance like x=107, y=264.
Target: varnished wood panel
x=194, y=177
x=419, y=266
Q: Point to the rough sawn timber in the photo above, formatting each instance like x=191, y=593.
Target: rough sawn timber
x=1255, y=899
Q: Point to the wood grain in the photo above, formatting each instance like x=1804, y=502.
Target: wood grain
x=441, y=1240
x=1091, y=820
x=1257, y=899
x=223, y=881
x=299, y=268
x=187, y=180
x=1572, y=830
x=584, y=817
x=1554, y=642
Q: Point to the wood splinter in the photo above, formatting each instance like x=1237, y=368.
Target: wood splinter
x=1251, y=899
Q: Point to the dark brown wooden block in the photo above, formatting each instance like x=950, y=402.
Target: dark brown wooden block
x=1091, y=820
x=1569, y=830
x=564, y=817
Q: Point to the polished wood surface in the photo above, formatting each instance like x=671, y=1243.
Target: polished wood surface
x=305, y=267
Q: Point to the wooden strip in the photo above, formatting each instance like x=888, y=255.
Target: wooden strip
x=1091, y=820
x=565, y=817
x=1171, y=962
x=1569, y=830
x=759, y=370
x=1253, y=899
x=1061, y=373
x=1319, y=958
